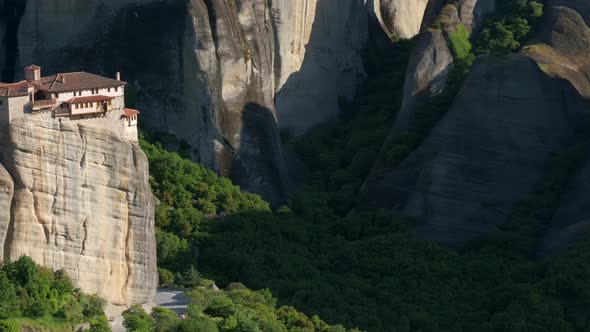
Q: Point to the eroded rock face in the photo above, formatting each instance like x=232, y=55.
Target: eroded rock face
x=473, y=12
x=233, y=61
x=580, y=6
x=566, y=32
x=6, y=192
x=317, y=58
x=400, y=18
x=564, y=54
x=487, y=152
x=430, y=63
x=81, y=203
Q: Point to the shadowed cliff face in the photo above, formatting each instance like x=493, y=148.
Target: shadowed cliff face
x=487, y=152
x=11, y=12
x=318, y=46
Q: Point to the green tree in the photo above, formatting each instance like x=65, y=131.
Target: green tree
x=137, y=320
x=165, y=320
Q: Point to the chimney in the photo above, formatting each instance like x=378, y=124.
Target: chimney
x=32, y=73
x=118, y=76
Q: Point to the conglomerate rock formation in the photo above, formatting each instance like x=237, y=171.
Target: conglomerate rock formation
x=485, y=154
x=318, y=58
x=81, y=203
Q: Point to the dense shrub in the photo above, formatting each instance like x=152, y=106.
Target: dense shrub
x=29, y=293
x=511, y=26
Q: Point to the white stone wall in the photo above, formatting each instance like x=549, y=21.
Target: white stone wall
x=65, y=96
x=114, y=121
x=131, y=133
x=17, y=107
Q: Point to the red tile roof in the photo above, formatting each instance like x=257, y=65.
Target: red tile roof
x=44, y=103
x=89, y=99
x=75, y=81
x=14, y=89
x=129, y=112
x=31, y=66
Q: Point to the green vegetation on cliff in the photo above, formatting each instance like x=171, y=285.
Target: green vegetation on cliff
x=511, y=26
x=234, y=309
x=365, y=268
x=37, y=297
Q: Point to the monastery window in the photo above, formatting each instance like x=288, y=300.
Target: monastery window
x=57, y=95
x=116, y=89
x=1, y=101
x=109, y=90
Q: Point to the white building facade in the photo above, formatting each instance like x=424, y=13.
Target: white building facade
x=77, y=96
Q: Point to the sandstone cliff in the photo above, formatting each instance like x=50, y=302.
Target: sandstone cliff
x=473, y=12
x=233, y=45
x=81, y=203
x=430, y=64
x=400, y=18
x=318, y=46
x=487, y=152
x=562, y=51
x=6, y=192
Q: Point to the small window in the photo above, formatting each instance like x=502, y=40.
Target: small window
x=116, y=89
x=1, y=101
x=109, y=90
x=57, y=95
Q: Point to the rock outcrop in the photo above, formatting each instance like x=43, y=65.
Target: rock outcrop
x=6, y=192
x=400, y=18
x=317, y=58
x=81, y=203
x=563, y=52
x=473, y=12
x=572, y=218
x=233, y=46
x=581, y=7
x=487, y=152
x=430, y=64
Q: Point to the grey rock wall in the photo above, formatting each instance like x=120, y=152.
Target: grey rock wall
x=430, y=64
x=487, y=152
x=473, y=12
x=6, y=192
x=400, y=18
x=318, y=46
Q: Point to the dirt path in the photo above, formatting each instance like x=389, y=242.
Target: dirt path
x=172, y=299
